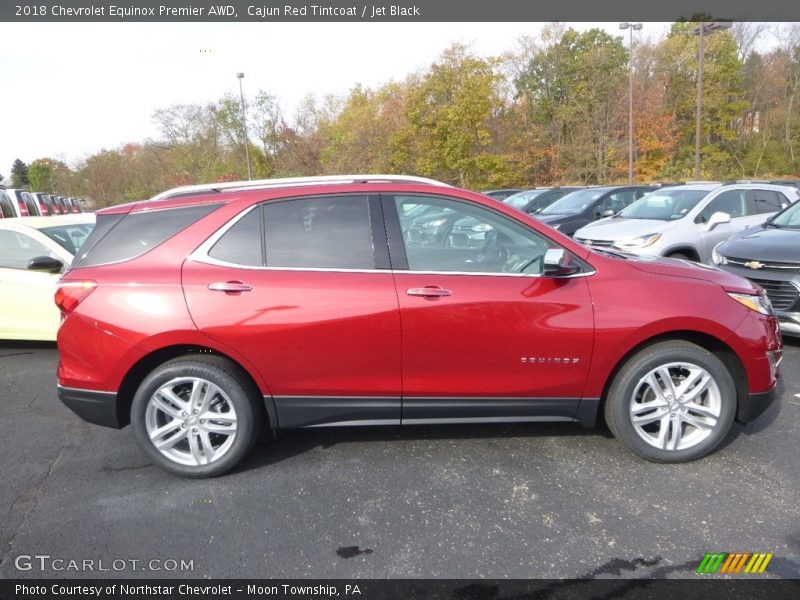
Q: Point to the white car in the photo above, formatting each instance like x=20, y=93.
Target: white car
x=33, y=253
x=687, y=221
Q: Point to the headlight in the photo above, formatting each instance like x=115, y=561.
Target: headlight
x=759, y=303
x=556, y=227
x=638, y=242
x=716, y=257
x=432, y=224
x=482, y=227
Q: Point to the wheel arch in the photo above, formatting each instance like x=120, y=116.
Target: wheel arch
x=145, y=365
x=708, y=342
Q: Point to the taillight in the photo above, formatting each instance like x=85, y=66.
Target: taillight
x=71, y=293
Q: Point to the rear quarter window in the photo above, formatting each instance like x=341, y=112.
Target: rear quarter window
x=118, y=238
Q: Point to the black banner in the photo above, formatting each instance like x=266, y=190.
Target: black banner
x=406, y=589
x=396, y=10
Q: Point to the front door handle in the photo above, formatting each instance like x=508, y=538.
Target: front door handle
x=429, y=291
x=229, y=287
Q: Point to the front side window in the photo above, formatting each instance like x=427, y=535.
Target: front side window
x=459, y=237
x=331, y=232
x=19, y=248
x=733, y=202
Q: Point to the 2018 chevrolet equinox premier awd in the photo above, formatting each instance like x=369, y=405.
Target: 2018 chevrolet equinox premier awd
x=201, y=319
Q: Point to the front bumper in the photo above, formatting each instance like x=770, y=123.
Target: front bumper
x=755, y=404
x=95, y=407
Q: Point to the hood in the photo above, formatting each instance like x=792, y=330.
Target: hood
x=554, y=219
x=612, y=229
x=766, y=244
x=672, y=267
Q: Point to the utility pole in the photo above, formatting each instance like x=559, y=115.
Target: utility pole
x=240, y=76
x=630, y=27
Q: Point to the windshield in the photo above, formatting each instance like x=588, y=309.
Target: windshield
x=790, y=218
x=575, y=202
x=664, y=205
x=522, y=199
x=69, y=237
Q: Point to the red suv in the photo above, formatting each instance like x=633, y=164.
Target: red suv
x=202, y=319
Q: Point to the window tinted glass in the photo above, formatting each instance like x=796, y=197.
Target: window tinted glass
x=135, y=233
x=18, y=249
x=733, y=202
x=69, y=237
x=331, y=232
x=461, y=237
x=241, y=244
x=5, y=206
x=762, y=202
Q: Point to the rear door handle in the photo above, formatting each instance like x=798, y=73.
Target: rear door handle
x=429, y=291
x=229, y=287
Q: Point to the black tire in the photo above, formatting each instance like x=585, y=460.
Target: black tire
x=620, y=399
x=229, y=378
x=681, y=256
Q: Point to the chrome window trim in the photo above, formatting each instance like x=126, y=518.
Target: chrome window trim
x=200, y=255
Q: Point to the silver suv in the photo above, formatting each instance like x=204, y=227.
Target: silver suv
x=687, y=221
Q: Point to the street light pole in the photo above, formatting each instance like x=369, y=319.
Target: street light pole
x=240, y=76
x=701, y=30
x=630, y=27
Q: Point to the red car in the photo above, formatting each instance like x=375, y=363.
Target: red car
x=202, y=319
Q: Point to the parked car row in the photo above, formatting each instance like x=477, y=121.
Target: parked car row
x=204, y=316
x=21, y=203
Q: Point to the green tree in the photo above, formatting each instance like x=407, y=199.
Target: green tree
x=450, y=112
x=19, y=174
x=573, y=86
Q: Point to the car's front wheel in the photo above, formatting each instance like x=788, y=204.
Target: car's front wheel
x=671, y=402
x=196, y=417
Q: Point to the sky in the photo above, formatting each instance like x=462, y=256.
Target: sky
x=71, y=89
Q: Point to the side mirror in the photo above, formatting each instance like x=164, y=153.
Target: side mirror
x=608, y=213
x=48, y=264
x=718, y=218
x=557, y=263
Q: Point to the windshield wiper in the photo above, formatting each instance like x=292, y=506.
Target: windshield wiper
x=775, y=225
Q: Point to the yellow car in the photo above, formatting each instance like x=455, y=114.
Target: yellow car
x=33, y=253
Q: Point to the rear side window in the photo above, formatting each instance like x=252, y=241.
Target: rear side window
x=763, y=202
x=332, y=233
x=29, y=203
x=124, y=237
x=241, y=244
x=6, y=206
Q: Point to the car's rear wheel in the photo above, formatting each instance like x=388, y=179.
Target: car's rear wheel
x=671, y=402
x=196, y=417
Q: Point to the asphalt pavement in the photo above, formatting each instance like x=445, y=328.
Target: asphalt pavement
x=523, y=501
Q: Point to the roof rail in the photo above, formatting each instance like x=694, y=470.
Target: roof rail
x=216, y=188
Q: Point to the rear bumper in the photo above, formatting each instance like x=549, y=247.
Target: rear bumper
x=756, y=404
x=95, y=407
